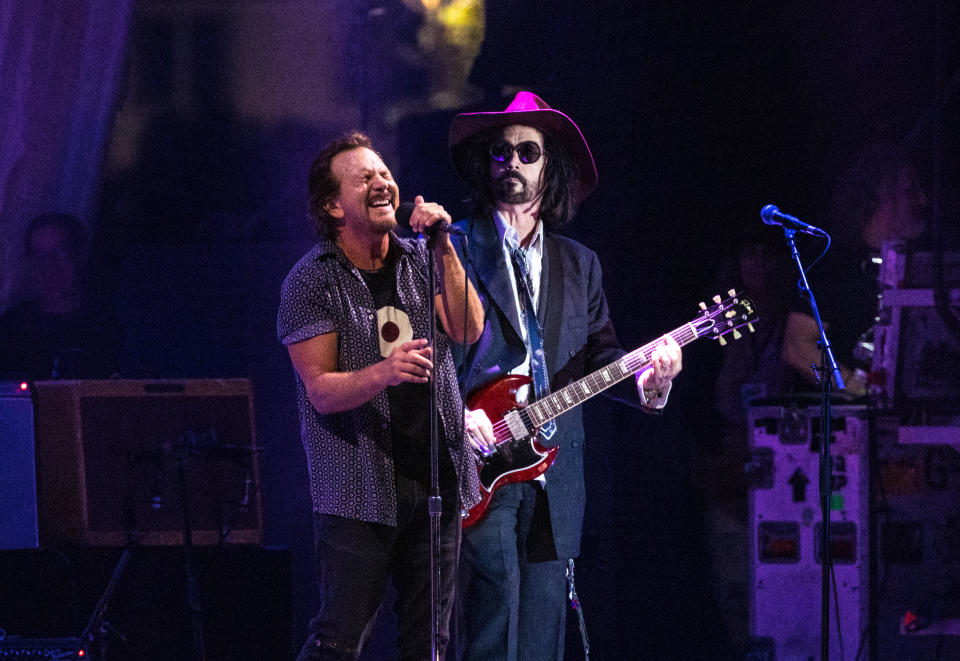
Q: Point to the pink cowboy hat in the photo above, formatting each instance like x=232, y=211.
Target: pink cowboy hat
x=527, y=109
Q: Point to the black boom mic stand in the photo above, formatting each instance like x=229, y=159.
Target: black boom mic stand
x=95, y=633
x=826, y=372
x=435, y=504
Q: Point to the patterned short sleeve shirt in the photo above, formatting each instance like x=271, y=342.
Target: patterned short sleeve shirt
x=350, y=453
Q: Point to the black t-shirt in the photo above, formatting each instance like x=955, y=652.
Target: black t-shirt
x=409, y=402
x=76, y=345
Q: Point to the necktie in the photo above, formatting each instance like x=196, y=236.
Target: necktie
x=528, y=316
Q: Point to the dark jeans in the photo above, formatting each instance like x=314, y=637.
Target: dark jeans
x=514, y=608
x=355, y=559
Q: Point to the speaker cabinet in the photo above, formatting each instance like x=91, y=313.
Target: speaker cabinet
x=18, y=486
x=127, y=460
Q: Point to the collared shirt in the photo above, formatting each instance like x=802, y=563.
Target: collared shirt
x=350, y=453
x=509, y=241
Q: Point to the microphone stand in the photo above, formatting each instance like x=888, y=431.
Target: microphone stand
x=95, y=633
x=194, y=603
x=435, y=503
x=826, y=372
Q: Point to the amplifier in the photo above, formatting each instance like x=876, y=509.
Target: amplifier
x=118, y=458
x=42, y=648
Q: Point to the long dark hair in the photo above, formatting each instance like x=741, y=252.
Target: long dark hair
x=560, y=177
x=859, y=189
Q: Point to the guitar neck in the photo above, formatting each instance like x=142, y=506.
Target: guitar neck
x=568, y=397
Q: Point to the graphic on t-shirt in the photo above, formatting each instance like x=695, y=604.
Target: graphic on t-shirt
x=395, y=328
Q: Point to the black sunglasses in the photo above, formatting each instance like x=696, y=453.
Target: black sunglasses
x=528, y=151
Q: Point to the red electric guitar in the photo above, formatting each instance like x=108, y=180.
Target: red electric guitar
x=520, y=456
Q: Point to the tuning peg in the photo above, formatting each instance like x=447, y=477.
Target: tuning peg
x=703, y=306
x=717, y=299
x=750, y=327
x=722, y=340
x=736, y=334
x=731, y=292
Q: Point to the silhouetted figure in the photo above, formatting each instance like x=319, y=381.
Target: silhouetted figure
x=750, y=369
x=61, y=332
x=879, y=199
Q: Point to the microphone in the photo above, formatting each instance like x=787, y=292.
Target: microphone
x=771, y=215
x=405, y=210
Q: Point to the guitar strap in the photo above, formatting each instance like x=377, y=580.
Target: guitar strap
x=534, y=339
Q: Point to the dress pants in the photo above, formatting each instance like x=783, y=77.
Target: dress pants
x=512, y=597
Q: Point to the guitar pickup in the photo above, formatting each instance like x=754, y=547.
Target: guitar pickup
x=515, y=424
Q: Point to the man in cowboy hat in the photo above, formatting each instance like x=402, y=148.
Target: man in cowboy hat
x=529, y=167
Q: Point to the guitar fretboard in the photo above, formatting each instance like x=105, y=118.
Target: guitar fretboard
x=579, y=391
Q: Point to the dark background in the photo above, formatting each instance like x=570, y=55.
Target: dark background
x=698, y=114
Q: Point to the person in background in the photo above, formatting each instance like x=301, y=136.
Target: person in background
x=62, y=331
x=748, y=370
x=880, y=198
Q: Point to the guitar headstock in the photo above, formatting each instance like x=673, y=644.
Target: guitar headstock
x=725, y=317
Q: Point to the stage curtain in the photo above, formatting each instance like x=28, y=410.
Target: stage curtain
x=60, y=66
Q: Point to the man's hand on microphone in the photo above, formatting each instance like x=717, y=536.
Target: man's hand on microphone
x=426, y=214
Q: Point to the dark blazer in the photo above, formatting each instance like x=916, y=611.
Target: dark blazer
x=578, y=338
